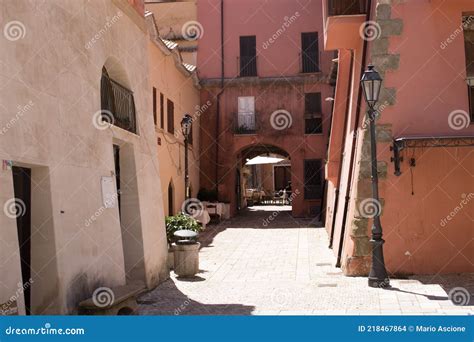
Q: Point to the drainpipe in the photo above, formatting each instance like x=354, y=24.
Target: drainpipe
x=356, y=125
x=346, y=123
x=218, y=100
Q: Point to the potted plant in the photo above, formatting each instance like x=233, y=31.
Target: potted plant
x=175, y=223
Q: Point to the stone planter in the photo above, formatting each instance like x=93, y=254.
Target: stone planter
x=170, y=260
x=186, y=259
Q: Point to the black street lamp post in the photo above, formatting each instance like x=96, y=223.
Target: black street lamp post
x=186, y=130
x=371, y=84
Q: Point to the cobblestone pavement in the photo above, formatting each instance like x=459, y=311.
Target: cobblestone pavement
x=267, y=263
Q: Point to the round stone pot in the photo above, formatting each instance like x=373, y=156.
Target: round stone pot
x=186, y=259
x=170, y=260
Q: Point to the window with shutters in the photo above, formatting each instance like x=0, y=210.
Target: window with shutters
x=468, y=25
x=246, y=115
x=155, y=114
x=162, y=111
x=313, y=113
x=313, y=179
x=248, y=56
x=170, y=116
x=309, y=52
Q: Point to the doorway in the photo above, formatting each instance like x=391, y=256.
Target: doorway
x=170, y=200
x=117, y=175
x=22, y=192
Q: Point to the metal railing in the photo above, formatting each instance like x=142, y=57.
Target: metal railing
x=247, y=66
x=309, y=62
x=245, y=123
x=346, y=7
x=118, y=101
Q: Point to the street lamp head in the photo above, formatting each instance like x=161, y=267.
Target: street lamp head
x=371, y=83
x=186, y=125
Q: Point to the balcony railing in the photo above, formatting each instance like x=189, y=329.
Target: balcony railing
x=117, y=101
x=247, y=66
x=245, y=123
x=346, y=7
x=309, y=62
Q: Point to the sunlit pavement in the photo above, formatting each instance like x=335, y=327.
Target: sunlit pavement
x=264, y=262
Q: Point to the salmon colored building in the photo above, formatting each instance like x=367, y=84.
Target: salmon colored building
x=425, y=134
x=175, y=92
x=267, y=86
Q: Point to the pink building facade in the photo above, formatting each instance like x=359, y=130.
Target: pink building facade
x=270, y=70
x=425, y=134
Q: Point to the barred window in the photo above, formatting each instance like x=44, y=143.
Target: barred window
x=313, y=179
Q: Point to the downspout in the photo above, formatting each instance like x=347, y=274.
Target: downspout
x=346, y=123
x=356, y=125
x=218, y=100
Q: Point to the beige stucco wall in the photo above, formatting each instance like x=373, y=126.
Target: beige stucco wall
x=56, y=68
x=178, y=86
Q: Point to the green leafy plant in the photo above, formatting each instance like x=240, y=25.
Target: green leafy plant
x=180, y=222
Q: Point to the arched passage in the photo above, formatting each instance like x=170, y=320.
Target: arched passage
x=263, y=177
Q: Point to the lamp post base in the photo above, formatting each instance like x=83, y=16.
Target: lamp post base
x=375, y=282
x=378, y=276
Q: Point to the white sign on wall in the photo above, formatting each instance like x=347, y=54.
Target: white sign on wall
x=109, y=193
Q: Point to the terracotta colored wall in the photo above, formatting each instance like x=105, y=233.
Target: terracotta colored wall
x=429, y=84
x=277, y=59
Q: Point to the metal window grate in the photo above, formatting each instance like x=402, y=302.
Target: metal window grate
x=309, y=52
x=119, y=101
x=313, y=179
x=248, y=56
x=346, y=7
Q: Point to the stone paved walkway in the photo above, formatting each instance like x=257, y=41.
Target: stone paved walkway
x=265, y=262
